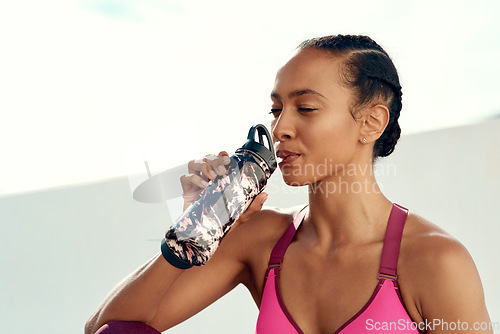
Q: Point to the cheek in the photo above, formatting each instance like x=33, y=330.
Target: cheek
x=334, y=141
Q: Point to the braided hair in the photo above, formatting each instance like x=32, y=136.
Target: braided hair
x=371, y=75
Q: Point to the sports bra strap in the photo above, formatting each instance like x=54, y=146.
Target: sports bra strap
x=392, y=242
x=285, y=240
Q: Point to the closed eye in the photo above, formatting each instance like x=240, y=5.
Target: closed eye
x=275, y=112
x=307, y=109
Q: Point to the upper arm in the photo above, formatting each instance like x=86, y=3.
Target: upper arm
x=451, y=293
x=199, y=287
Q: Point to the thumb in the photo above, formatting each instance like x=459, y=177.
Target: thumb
x=254, y=207
x=257, y=203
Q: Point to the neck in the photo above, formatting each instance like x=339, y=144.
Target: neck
x=347, y=210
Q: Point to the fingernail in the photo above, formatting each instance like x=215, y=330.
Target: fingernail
x=204, y=183
x=226, y=159
x=264, y=199
x=212, y=174
x=221, y=169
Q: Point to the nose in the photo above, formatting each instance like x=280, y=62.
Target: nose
x=283, y=127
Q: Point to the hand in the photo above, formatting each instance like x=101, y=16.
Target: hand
x=200, y=172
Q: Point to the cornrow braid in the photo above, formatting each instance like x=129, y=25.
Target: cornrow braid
x=370, y=73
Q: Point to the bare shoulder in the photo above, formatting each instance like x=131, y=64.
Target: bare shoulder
x=265, y=227
x=425, y=245
x=433, y=266
x=254, y=240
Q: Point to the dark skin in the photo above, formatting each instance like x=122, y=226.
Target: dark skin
x=330, y=268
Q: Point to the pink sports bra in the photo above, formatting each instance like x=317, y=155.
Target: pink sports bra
x=383, y=313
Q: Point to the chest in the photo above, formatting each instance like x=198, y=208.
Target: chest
x=321, y=293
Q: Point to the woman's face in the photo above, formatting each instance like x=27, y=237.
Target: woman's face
x=314, y=132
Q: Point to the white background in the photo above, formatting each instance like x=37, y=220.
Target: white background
x=83, y=83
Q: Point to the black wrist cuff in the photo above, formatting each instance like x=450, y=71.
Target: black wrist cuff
x=172, y=258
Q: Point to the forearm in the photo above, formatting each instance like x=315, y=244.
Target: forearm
x=138, y=296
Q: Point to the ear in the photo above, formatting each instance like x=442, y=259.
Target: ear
x=375, y=121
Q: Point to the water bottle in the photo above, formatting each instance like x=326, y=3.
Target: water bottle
x=197, y=233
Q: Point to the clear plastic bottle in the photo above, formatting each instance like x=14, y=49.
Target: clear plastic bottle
x=197, y=233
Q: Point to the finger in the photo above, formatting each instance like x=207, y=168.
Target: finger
x=190, y=180
x=225, y=157
x=202, y=167
x=216, y=163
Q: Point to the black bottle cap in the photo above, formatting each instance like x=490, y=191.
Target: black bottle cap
x=266, y=153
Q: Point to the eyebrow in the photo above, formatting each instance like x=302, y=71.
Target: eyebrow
x=299, y=92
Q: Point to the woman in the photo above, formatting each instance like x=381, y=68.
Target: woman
x=336, y=105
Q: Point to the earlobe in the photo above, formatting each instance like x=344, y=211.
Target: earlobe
x=375, y=122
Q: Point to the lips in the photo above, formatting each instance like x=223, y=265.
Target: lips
x=286, y=157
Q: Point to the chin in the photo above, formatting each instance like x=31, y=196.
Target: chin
x=297, y=181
